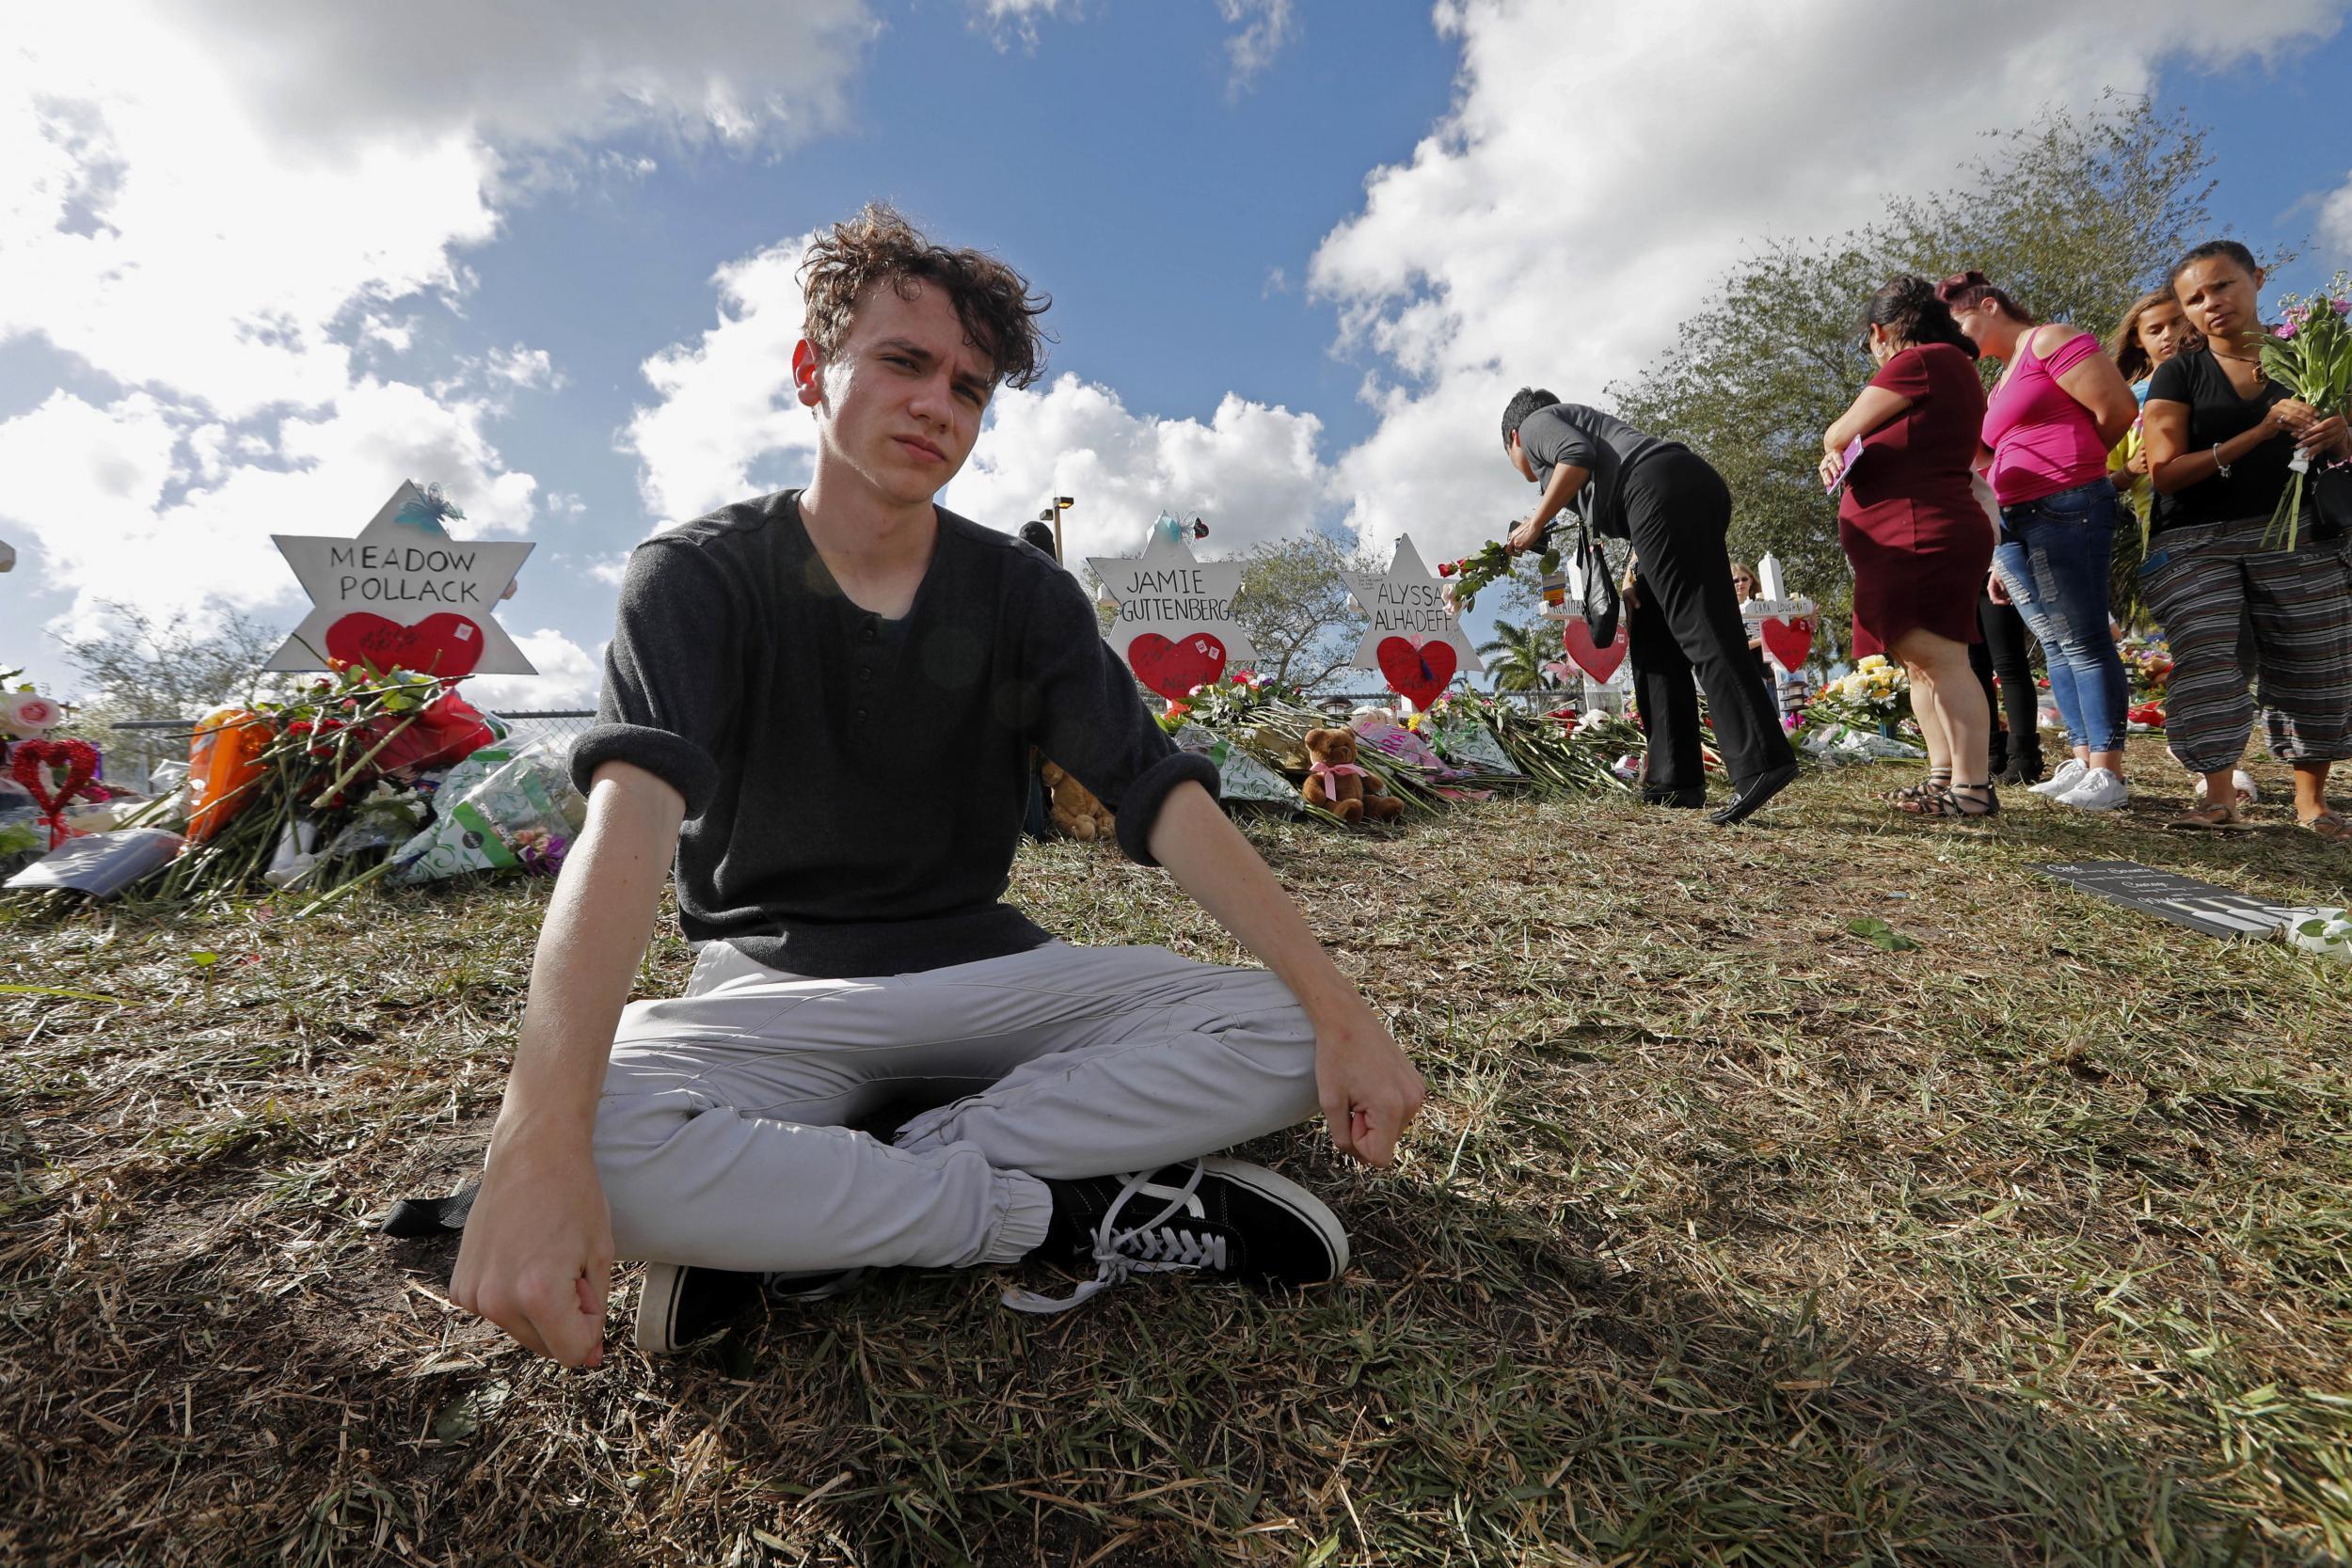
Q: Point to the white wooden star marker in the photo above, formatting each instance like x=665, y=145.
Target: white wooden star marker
x=404, y=593
x=1175, y=626
x=1407, y=600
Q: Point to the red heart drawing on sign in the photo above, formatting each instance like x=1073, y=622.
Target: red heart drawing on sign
x=1598, y=662
x=1417, y=670
x=1789, y=641
x=1173, y=669
x=448, y=646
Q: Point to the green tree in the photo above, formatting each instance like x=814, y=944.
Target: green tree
x=141, y=667
x=1295, y=604
x=2074, y=215
x=1517, y=656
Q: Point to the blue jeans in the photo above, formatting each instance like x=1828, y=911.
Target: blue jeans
x=2052, y=558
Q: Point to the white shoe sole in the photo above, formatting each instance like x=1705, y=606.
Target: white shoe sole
x=1288, y=1195
x=657, y=1310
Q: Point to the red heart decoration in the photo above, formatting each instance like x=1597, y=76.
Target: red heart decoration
x=1789, y=641
x=1173, y=669
x=1418, y=671
x=29, y=762
x=1597, y=662
x=448, y=645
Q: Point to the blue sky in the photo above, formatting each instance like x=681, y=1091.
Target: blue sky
x=1270, y=309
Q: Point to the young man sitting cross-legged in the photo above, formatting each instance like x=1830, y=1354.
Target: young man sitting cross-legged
x=823, y=702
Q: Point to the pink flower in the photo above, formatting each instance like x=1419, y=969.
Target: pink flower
x=2344, y=307
x=25, y=713
x=2283, y=330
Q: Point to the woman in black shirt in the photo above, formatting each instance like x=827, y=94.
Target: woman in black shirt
x=2219, y=437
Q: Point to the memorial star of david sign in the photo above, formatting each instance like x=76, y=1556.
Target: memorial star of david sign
x=404, y=593
x=1412, y=638
x=1175, y=625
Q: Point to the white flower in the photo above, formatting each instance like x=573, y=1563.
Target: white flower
x=24, y=713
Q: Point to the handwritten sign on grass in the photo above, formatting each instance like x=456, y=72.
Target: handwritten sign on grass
x=2215, y=910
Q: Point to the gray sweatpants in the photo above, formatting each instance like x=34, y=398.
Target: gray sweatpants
x=719, y=1140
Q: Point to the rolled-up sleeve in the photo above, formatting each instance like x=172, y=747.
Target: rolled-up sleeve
x=1091, y=721
x=670, y=674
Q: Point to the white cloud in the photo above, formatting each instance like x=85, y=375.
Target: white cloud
x=525, y=367
x=1602, y=165
x=1266, y=27
x=723, y=426
x=722, y=406
x=568, y=677
x=119, y=513
x=2335, y=223
x=1252, y=471
x=209, y=202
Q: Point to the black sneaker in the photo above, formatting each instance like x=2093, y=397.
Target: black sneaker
x=1750, y=797
x=1217, y=1215
x=1674, y=800
x=680, y=1304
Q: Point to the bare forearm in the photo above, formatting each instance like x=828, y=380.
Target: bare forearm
x=594, y=937
x=1561, y=488
x=2176, y=469
x=1211, y=861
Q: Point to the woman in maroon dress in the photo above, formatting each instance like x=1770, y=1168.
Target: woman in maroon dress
x=1919, y=540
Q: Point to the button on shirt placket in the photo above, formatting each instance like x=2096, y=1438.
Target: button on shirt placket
x=868, y=650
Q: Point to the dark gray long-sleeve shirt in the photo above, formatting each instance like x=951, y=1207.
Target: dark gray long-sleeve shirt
x=1604, y=446
x=855, y=786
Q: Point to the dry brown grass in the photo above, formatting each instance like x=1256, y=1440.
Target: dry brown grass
x=1728, y=1237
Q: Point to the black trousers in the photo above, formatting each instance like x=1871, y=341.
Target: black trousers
x=1678, y=510
x=2005, y=651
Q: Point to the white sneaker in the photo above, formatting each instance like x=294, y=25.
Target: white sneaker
x=2101, y=789
x=2069, y=774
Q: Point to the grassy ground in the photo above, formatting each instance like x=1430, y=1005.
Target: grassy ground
x=1727, y=1238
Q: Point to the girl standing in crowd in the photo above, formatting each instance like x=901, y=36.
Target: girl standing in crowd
x=2152, y=331
x=2058, y=407
x=1919, y=541
x=2219, y=437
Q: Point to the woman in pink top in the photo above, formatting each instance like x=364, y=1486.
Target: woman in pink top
x=2058, y=407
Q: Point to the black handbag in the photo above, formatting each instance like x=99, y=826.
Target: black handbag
x=1601, y=605
x=2328, y=500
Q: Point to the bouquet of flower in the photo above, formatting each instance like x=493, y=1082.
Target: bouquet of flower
x=1492, y=559
x=2310, y=353
x=1874, y=687
x=306, y=794
x=2148, y=664
x=1230, y=698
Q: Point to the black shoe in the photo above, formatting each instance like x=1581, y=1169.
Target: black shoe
x=1217, y=1215
x=1750, y=797
x=680, y=1304
x=2024, y=766
x=1678, y=799
x=1997, y=752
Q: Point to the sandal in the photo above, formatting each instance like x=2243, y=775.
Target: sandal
x=1919, y=791
x=2213, y=819
x=2327, y=825
x=1960, y=801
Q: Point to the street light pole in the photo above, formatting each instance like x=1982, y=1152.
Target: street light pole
x=1061, y=504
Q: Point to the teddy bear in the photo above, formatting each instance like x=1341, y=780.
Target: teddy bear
x=1075, y=811
x=1340, y=786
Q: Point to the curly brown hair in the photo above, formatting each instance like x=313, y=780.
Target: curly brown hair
x=994, y=302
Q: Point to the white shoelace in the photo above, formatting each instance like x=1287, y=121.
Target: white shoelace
x=1152, y=1248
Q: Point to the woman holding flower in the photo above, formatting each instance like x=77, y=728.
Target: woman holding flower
x=2222, y=436
x=1919, y=541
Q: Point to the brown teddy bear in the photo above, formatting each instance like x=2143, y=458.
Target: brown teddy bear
x=1075, y=811
x=1340, y=786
